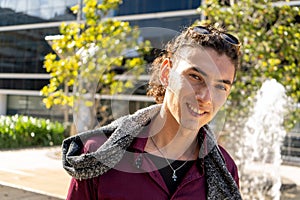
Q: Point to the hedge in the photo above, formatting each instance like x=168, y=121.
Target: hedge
x=23, y=131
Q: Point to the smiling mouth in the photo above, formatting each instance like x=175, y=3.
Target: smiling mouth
x=196, y=111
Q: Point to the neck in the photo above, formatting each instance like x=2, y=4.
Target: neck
x=175, y=142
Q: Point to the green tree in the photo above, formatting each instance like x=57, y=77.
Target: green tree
x=87, y=54
x=270, y=40
x=270, y=47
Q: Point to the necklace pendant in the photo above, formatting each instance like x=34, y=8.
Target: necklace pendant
x=174, y=177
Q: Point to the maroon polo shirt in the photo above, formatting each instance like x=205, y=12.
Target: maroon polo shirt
x=136, y=177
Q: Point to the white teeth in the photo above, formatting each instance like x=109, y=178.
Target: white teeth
x=195, y=110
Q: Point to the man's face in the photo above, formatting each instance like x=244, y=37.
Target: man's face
x=198, y=85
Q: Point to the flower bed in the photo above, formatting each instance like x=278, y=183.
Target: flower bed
x=24, y=131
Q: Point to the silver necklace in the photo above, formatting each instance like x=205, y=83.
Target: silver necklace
x=174, y=170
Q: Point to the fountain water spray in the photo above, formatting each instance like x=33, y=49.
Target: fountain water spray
x=262, y=138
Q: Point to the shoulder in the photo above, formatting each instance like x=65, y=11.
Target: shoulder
x=93, y=143
x=230, y=164
x=228, y=159
x=94, y=139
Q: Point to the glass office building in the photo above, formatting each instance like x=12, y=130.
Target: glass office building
x=24, y=25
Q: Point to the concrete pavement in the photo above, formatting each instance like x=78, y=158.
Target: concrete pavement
x=36, y=170
x=13, y=193
x=32, y=174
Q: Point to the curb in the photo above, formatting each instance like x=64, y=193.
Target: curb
x=15, y=192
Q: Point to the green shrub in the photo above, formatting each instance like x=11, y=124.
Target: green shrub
x=23, y=131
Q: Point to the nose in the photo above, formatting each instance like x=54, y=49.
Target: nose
x=203, y=95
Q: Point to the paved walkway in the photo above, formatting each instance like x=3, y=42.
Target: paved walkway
x=37, y=174
x=13, y=193
x=36, y=170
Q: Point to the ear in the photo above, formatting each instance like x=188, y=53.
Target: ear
x=165, y=71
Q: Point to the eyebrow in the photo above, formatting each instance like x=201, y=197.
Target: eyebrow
x=228, y=82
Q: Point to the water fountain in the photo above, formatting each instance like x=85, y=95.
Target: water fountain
x=259, y=156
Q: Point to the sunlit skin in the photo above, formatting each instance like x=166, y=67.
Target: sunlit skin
x=198, y=84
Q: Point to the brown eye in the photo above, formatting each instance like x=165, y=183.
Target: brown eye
x=196, y=77
x=221, y=87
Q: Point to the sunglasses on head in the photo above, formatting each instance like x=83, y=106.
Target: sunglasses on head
x=225, y=36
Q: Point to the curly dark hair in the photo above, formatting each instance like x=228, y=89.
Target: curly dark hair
x=213, y=39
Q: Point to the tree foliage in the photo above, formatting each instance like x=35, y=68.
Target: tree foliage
x=88, y=54
x=270, y=46
x=270, y=50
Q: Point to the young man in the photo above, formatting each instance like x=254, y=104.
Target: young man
x=165, y=151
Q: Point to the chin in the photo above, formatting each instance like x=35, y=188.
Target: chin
x=190, y=124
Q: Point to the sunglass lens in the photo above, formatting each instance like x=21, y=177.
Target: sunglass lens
x=230, y=38
x=201, y=30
